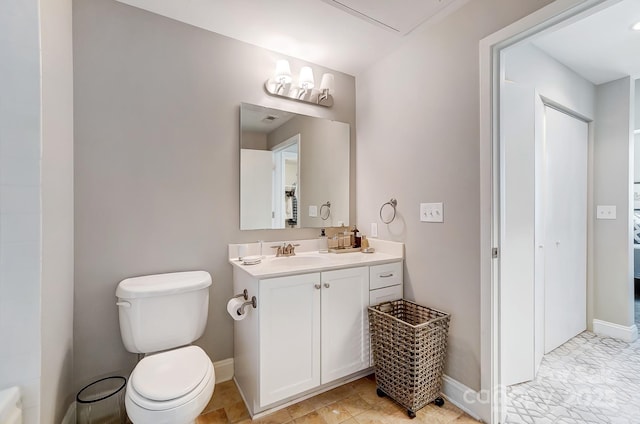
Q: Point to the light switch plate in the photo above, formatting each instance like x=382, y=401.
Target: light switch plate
x=431, y=212
x=606, y=212
x=374, y=229
x=313, y=210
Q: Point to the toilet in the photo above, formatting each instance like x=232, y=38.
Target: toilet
x=160, y=316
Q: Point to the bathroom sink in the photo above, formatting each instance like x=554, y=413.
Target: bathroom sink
x=299, y=260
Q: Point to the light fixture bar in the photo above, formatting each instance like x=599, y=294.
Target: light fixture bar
x=281, y=85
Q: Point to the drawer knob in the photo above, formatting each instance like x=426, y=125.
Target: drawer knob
x=317, y=286
x=326, y=285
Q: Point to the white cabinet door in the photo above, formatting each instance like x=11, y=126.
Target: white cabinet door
x=345, y=337
x=289, y=336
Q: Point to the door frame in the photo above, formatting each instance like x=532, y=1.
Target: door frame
x=559, y=13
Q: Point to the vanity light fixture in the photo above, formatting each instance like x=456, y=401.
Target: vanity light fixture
x=326, y=87
x=636, y=26
x=282, y=75
x=281, y=85
x=306, y=81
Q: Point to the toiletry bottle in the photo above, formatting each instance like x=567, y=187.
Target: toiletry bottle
x=341, y=237
x=364, y=242
x=356, y=236
x=323, y=242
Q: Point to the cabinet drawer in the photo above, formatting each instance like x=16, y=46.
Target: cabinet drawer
x=385, y=275
x=386, y=294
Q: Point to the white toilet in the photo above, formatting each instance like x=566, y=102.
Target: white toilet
x=160, y=315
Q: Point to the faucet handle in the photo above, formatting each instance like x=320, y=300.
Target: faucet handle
x=279, y=250
x=291, y=249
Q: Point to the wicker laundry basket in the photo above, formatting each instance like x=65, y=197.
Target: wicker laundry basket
x=409, y=345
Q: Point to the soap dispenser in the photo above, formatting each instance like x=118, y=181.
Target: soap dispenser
x=356, y=237
x=323, y=242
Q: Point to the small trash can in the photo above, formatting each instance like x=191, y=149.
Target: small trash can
x=409, y=343
x=102, y=402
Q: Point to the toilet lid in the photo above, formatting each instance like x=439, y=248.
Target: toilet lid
x=170, y=375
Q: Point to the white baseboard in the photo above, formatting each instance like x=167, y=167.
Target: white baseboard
x=224, y=370
x=461, y=396
x=628, y=334
x=70, y=416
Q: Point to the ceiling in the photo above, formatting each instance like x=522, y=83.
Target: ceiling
x=601, y=47
x=350, y=35
x=344, y=35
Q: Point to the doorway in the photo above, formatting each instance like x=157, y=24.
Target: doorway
x=493, y=182
x=543, y=238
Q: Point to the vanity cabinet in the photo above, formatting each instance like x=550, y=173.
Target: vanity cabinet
x=289, y=336
x=344, y=324
x=309, y=331
x=313, y=330
x=385, y=283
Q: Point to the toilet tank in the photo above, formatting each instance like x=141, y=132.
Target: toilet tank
x=10, y=406
x=164, y=311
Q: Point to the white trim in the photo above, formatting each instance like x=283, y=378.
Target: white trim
x=603, y=328
x=223, y=370
x=463, y=397
x=70, y=416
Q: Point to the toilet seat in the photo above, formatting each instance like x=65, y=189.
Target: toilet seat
x=169, y=379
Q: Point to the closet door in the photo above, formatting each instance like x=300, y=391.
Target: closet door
x=565, y=227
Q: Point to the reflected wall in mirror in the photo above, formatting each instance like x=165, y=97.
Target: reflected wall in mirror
x=290, y=166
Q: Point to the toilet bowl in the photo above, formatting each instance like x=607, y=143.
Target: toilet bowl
x=160, y=315
x=170, y=387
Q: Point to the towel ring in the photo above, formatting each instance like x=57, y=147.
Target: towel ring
x=393, y=203
x=328, y=206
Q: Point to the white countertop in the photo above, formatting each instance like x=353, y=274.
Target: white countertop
x=306, y=260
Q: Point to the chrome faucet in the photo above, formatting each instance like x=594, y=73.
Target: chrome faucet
x=285, y=250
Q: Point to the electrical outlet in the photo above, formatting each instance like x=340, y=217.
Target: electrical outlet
x=313, y=210
x=374, y=229
x=431, y=212
x=605, y=212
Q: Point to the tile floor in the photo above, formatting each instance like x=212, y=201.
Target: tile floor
x=352, y=403
x=590, y=379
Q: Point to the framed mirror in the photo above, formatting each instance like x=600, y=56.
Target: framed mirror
x=294, y=170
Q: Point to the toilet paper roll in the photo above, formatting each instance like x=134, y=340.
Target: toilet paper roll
x=232, y=308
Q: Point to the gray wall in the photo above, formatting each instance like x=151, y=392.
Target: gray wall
x=418, y=141
x=157, y=163
x=613, y=176
x=57, y=209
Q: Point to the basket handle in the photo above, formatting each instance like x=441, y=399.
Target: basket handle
x=386, y=306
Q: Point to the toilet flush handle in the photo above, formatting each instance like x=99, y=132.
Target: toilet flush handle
x=123, y=304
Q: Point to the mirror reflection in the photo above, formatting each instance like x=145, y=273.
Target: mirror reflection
x=294, y=170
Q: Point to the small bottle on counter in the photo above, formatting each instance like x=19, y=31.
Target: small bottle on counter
x=364, y=242
x=356, y=237
x=323, y=242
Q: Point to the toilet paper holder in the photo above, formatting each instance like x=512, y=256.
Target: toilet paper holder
x=244, y=294
x=253, y=302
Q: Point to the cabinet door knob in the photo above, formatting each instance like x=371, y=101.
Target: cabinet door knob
x=326, y=285
x=317, y=286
